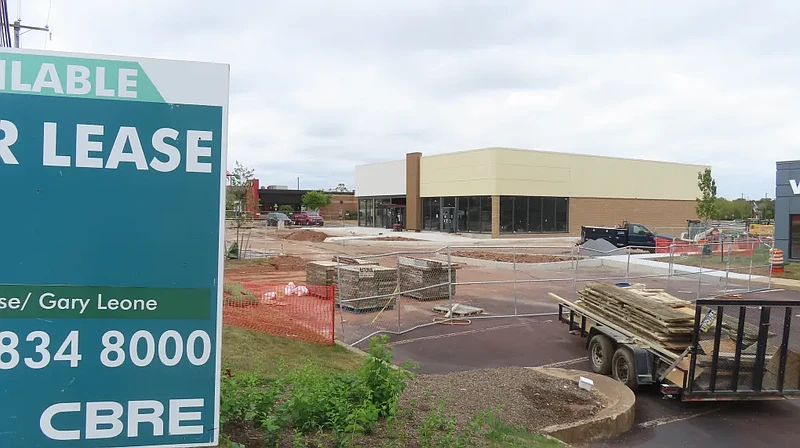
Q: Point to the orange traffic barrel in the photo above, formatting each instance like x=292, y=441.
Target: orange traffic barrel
x=776, y=260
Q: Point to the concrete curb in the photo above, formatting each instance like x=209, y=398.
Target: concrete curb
x=616, y=418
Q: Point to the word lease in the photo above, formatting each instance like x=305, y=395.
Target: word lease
x=87, y=152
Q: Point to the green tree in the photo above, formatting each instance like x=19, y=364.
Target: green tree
x=314, y=200
x=707, y=204
x=241, y=204
x=286, y=209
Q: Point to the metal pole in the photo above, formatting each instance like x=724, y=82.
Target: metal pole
x=728, y=266
x=750, y=275
x=337, y=297
x=671, y=265
x=700, y=273
x=769, y=263
x=397, y=296
x=574, y=270
x=450, y=278
x=628, y=266
x=514, y=259
x=16, y=26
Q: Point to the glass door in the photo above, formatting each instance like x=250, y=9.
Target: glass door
x=448, y=219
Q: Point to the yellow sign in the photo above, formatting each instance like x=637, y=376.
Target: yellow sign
x=762, y=229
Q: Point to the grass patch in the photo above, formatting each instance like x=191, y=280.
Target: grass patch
x=501, y=435
x=253, y=352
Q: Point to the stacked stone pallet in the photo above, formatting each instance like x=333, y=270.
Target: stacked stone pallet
x=360, y=281
x=416, y=273
x=321, y=273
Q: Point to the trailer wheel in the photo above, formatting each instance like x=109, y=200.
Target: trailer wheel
x=601, y=351
x=624, y=368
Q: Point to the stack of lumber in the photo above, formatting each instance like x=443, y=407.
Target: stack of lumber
x=653, y=315
x=356, y=282
x=661, y=318
x=416, y=273
x=321, y=273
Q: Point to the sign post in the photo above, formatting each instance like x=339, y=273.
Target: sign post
x=112, y=178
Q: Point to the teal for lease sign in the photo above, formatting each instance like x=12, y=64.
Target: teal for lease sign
x=112, y=177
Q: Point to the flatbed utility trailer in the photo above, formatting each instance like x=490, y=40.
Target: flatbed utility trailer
x=713, y=367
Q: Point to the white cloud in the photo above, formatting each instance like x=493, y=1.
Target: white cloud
x=320, y=86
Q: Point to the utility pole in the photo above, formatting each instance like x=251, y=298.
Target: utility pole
x=17, y=25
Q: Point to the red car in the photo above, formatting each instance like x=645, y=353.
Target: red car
x=308, y=219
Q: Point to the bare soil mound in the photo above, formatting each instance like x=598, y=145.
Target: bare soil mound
x=305, y=235
x=527, y=398
x=509, y=257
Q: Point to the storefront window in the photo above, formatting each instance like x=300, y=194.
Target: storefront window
x=520, y=214
x=562, y=211
x=486, y=214
x=507, y=214
x=794, y=236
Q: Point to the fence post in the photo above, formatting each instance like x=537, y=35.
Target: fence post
x=574, y=252
x=700, y=273
x=514, y=260
x=336, y=296
x=750, y=274
x=728, y=266
x=450, y=278
x=671, y=264
x=769, y=264
x=628, y=266
x=397, y=295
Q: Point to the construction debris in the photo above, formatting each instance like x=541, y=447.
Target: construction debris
x=458, y=310
x=433, y=275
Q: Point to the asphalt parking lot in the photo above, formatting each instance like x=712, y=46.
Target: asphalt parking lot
x=543, y=341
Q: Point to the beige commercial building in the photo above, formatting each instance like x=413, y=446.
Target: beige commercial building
x=505, y=191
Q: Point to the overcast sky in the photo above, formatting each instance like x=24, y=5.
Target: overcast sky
x=321, y=86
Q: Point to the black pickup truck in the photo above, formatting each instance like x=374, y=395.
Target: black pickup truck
x=628, y=234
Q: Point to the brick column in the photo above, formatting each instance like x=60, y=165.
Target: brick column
x=495, y=216
x=413, y=200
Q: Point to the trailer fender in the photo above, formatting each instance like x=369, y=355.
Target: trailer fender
x=644, y=365
x=615, y=336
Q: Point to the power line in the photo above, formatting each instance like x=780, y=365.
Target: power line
x=5, y=30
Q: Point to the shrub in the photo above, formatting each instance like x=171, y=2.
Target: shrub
x=307, y=400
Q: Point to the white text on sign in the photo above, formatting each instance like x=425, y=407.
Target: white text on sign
x=86, y=152
x=109, y=419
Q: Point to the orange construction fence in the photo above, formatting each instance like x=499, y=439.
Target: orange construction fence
x=303, y=312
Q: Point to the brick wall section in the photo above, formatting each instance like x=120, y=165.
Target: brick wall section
x=413, y=200
x=340, y=203
x=652, y=213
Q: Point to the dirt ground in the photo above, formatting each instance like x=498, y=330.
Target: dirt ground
x=509, y=257
x=284, y=268
x=392, y=238
x=312, y=236
x=527, y=398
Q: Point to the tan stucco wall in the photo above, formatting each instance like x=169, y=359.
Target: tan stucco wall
x=503, y=171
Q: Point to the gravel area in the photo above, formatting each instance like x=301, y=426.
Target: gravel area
x=527, y=398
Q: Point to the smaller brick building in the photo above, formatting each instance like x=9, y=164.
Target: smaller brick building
x=507, y=191
x=273, y=199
